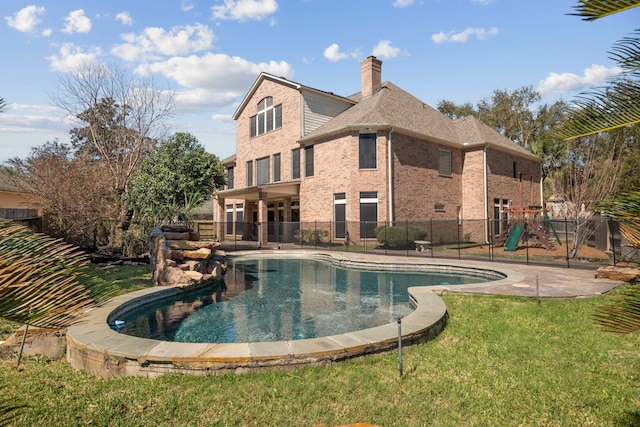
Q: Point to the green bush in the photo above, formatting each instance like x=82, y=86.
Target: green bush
x=311, y=236
x=136, y=241
x=399, y=237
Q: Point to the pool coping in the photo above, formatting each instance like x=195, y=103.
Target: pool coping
x=95, y=347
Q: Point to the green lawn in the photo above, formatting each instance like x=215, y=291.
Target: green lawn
x=500, y=361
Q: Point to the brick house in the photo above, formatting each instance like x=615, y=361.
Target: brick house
x=380, y=156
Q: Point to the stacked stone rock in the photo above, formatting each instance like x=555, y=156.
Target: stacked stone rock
x=179, y=258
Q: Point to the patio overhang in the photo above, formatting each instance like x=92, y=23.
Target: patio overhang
x=278, y=190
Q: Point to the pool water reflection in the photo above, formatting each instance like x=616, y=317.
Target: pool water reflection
x=278, y=299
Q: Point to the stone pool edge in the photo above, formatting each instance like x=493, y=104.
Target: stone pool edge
x=94, y=347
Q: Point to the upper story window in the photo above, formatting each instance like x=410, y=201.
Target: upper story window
x=262, y=171
x=250, y=173
x=444, y=162
x=367, y=151
x=268, y=117
x=295, y=163
x=276, y=167
x=308, y=160
x=230, y=178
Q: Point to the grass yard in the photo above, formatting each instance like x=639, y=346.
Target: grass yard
x=500, y=361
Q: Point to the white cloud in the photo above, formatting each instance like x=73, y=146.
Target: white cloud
x=71, y=56
x=212, y=80
x=27, y=19
x=155, y=42
x=569, y=82
x=243, y=10
x=124, y=18
x=384, y=50
x=333, y=54
x=463, y=37
x=77, y=22
x=402, y=3
x=218, y=72
x=483, y=2
x=186, y=5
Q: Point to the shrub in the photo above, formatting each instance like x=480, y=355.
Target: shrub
x=311, y=236
x=399, y=237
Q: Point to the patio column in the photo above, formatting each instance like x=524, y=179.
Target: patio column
x=263, y=229
x=220, y=221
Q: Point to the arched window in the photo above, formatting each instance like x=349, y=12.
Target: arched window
x=268, y=117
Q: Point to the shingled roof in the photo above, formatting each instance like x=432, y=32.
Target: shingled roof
x=391, y=108
x=8, y=184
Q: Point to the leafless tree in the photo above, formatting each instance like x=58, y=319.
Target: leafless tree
x=588, y=178
x=120, y=117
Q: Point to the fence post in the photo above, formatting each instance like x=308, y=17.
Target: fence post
x=458, y=223
x=407, y=237
x=431, y=234
x=612, y=239
x=566, y=239
x=526, y=240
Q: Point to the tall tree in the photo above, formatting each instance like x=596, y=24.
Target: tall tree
x=179, y=175
x=3, y=105
x=120, y=118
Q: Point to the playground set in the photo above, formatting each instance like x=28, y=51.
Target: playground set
x=529, y=223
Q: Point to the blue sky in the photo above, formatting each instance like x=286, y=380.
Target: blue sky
x=210, y=53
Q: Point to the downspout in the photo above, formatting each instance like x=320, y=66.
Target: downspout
x=486, y=193
x=390, y=178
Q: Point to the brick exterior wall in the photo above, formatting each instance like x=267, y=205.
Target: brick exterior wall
x=418, y=186
x=502, y=184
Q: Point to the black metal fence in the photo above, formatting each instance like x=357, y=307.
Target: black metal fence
x=540, y=241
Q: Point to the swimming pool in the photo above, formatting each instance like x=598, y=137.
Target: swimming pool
x=283, y=298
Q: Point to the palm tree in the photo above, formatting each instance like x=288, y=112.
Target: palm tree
x=43, y=281
x=601, y=110
x=3, y=105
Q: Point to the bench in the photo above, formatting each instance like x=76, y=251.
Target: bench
x=422, y=245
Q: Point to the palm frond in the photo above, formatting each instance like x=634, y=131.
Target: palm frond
x=44, y=281
x=590, y=10
x=602, y=110
x=622, y=315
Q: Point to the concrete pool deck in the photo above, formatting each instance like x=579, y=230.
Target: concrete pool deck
x=96, y=348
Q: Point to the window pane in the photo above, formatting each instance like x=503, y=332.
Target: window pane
x=269, y=114
x=249, y=173
x=339, y=215
x=367, y=145
x=295, y=162
x=239, y=219
x=230, y=178
x=278, y=112
x=308, y=161
x=276, y=167
x=261, y=122
x=368, y=214
x=262, y=172
x=254, y=130
x=444, y=162
x=229, y=219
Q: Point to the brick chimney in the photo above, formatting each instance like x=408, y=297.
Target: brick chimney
x=371, y=75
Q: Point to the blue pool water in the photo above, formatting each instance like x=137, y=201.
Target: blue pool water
x=277, y=299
